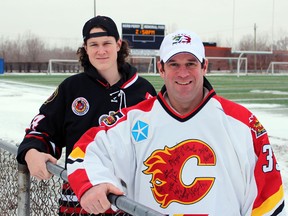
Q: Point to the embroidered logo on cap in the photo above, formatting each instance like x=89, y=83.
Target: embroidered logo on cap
x=80, y=106
x=181, y=38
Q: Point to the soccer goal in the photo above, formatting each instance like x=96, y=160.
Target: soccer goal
x=229, y=65
x=144, y=64
x=63, y=66
x=277, y=67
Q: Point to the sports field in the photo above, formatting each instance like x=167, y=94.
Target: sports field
x=266, y=89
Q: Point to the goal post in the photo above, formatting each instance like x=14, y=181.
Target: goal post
x=227, y=64
x=277, y=67
x=63, y=65
x=144, y=64
x=245, y=52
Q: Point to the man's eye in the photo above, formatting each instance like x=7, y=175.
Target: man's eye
x=192, y=64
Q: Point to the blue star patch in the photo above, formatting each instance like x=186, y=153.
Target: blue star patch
x=140, y=131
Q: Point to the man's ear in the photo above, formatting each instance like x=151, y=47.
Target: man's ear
x=119, y=44
x=160, y=67
x=205, y=66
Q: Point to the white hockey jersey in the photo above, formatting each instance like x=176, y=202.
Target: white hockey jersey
x=215, y=161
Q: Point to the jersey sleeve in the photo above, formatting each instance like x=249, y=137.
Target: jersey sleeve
x=264, y=169
x=45, y=130
x=270, y=196
x=99, y=157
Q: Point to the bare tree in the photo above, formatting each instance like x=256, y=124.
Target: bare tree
x=4, y=44
x=17, y=49
x=33, y=46
x=248, y=43
x=282, y=44
x=30, y=48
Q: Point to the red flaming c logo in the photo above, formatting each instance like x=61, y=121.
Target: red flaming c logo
x=166, y=167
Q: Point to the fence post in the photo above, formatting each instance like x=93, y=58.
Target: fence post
x=23, y=190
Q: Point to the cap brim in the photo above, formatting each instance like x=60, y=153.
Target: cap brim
x=174, y=52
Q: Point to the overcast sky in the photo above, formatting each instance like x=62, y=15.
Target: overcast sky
x=223, y=21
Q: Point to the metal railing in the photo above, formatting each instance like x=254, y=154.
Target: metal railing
x=23, y=195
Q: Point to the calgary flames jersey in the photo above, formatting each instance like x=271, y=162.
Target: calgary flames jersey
x=217, y=160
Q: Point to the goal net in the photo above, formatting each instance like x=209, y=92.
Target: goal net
x=278, y=67
x=229, y=65
x=63, y=66
x=144, y=64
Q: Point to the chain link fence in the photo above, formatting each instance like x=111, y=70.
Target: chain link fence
x=44, y=195
x=8, y=183
x=22, y=195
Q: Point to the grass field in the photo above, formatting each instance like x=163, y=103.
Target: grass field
x=266, y=89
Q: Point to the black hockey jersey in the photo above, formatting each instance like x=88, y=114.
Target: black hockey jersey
x=80, y=102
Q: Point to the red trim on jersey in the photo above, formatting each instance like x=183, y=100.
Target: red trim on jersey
x=193, y=112
x=130, y=81
x=80, y=176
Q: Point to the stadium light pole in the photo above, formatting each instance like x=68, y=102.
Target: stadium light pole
x=233, y=25
x=272, y=33
x=94, y=8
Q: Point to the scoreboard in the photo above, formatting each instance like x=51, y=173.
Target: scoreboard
x=143, y=36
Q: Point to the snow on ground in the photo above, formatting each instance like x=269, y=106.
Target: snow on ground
x=20, y=102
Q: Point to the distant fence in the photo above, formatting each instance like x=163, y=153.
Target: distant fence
x=23, y=195
x=38, y=67
x=146, y=64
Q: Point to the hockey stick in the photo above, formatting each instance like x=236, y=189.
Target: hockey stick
x=121, y=202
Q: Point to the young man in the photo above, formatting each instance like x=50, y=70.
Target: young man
x=187, y=151
x=82, y=101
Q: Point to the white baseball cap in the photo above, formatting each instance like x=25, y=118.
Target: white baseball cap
x=182, y=41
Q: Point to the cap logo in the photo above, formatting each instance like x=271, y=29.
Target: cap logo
x=179, y=42
x=183, y=38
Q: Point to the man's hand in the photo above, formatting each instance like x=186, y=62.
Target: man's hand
x=95, y=199
x=36, y=162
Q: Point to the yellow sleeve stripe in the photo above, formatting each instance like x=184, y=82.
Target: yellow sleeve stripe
x=270, y=203
x=77, y=153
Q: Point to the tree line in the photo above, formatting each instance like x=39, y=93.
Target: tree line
x=31, y=48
